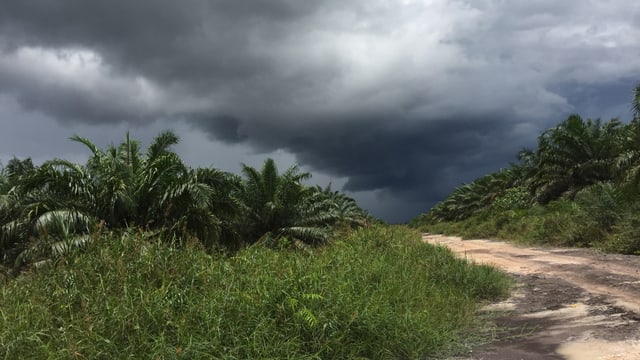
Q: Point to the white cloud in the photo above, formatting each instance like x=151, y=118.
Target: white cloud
x=69, y=83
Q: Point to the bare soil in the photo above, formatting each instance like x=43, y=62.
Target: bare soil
x=569, y=303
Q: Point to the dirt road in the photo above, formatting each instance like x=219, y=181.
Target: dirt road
x=569, y=304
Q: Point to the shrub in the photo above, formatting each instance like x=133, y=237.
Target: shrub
x=602, y=203
x=515, y=198
x=626, y=236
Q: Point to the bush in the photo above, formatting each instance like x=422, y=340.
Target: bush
x=515, y=198
x=602, y=203
x=626, y=236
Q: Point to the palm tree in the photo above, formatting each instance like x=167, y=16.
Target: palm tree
x=628, y=161
x=573, y=155
x=278, y=206
x=13, y=231
x=116, y=188
x=479, y=195
x=346, y=210
x=224, y=204
x=156, y=191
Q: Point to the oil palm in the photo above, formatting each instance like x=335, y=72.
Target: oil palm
x=277, y=205
x=468, y=199
x=628, y=161
x=574, y=155
x=13, y=231
x=117, y=188
x=345, y=209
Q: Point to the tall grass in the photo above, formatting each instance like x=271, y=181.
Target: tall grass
x=591, y=220
x=601, y=215
x=375, y=293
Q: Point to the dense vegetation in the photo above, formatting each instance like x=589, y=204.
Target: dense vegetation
x=46, y=210
x=376, y=293
x=580, y=186
x=134, y=254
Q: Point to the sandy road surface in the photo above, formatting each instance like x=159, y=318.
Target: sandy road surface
x=570, y=303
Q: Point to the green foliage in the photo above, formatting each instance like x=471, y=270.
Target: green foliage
x=625, y=238
x=117, y=187
x=573, y=155
x=376, y=293
x=563, y=224
x=279, y=205
x=580, y=187
x=560, y=223
x=121, y=187
x=604, y=203
x=515, y=198
x=476, y=196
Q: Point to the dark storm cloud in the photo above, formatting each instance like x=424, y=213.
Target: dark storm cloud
x=408, y=98
x=226, y=128
x=184, y=41
x=420, y=160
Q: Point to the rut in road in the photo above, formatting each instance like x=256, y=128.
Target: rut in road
x=570, y=304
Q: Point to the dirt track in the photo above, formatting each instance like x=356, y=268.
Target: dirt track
x=570, y=304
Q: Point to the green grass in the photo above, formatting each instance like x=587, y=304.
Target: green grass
x=600, y=216
x=560, y=223
x=375, y=293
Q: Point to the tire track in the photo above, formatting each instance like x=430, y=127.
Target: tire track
x=577, y=303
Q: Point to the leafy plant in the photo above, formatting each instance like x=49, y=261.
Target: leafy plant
x=579, y=187
x=277, y=205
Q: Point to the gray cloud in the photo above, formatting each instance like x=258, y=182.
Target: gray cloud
x=403, y=98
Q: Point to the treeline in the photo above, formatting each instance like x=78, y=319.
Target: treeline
x=116, y=267
x=580, y=186
x=47, y=210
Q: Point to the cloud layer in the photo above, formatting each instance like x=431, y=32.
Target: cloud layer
x=407, y=98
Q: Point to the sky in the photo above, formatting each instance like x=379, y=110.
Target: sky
x=395, y=102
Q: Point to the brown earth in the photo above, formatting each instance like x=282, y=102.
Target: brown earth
x=569, y=303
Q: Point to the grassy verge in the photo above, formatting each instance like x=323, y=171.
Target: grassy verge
x=376, y=293
x=599, y=216
x=560, y=223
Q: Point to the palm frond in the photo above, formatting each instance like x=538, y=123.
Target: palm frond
x=62, y=223
x=44, y=251
x=307, y=234
x=161, y=144
x=88, y=143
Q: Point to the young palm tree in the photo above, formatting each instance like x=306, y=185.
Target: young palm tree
x=13, y=231
x=345, y=209
x=119, y=187
x=573, y=155
x=280, y=205
x=224, y=205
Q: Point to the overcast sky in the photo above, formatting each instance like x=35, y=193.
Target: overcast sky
x=396, y=102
